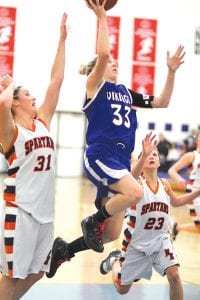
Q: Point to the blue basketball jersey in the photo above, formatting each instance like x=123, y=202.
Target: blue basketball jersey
x=110, y=135
x=110, y=116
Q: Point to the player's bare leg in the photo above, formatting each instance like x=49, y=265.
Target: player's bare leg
x=176, y=288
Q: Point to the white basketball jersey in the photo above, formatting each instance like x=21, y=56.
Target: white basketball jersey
x=31, y=173
x=195, y=171
x=152, y=218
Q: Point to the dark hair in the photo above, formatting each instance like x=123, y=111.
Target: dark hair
x=16, y=92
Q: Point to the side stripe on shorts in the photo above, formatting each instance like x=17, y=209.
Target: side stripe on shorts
x=9, y=234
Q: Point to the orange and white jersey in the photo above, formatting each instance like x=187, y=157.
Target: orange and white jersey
x=192, y=185
x=194, y=180
x=152, y=218
x=31, y=172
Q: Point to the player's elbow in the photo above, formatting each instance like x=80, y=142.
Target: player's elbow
x=170, y=171
x=160, y=102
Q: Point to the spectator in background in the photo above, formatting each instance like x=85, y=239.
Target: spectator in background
x=174, y=154
x=185, y=147
x=163, y=148
x=191, y=139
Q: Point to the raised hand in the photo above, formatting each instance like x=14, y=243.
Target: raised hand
x=174, y=61
x=148, y=144
x=63, y=27
x=97, y=7
x=5, y=81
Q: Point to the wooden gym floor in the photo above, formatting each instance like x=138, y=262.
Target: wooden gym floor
x=80, y=279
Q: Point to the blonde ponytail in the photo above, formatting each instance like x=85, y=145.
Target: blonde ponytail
x=86, y=69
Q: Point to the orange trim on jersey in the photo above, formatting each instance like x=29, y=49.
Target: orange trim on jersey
x=191, y=202
x=33, y=127
x=10, y=204
x=9, y=225
x=133, y=207
x=127, y=239
x=190, y=181
x=117, y=281
x=13, y=141
x=9, y=197
x=43, y=122
x=132, y=224
x=124, y=249
x=13, y=175
x=9, y=249
x=153, y=190
x=193, y=213
x=11, y=158
x=10, y=273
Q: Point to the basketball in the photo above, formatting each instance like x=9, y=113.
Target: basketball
x=109, y=3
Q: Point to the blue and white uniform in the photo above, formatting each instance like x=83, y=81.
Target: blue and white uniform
x=110, y=135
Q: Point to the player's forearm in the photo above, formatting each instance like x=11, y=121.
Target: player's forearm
x=184, y=199
x=175, y=176
x=6, y=95
x=164, y=99
x=138, y=167
x=103, y=47
x=58, y=68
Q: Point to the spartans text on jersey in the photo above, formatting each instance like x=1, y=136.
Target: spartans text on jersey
x=155, y=206
x=39, y=142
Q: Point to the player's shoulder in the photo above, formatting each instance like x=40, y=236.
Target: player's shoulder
x=189, y=155
x=165, y=183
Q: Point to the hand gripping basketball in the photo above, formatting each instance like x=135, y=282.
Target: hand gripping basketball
x=109, y=3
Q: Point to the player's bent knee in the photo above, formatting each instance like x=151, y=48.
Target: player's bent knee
x=40, y=275
x=122, y=290
x=114, y=236
x=135, y=196
x=173, y=276
x=139, y=195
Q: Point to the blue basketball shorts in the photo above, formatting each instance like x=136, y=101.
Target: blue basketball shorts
x=105, y=165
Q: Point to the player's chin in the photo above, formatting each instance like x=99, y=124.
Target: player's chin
x=35, y=113
x=152, y=166
x=115, y=77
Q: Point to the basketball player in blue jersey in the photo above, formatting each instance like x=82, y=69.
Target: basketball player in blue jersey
x=147, y=244
x=111, y=114
x=27, y=212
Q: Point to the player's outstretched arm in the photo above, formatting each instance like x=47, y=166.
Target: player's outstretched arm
x=173, y=63
x=47, y=109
